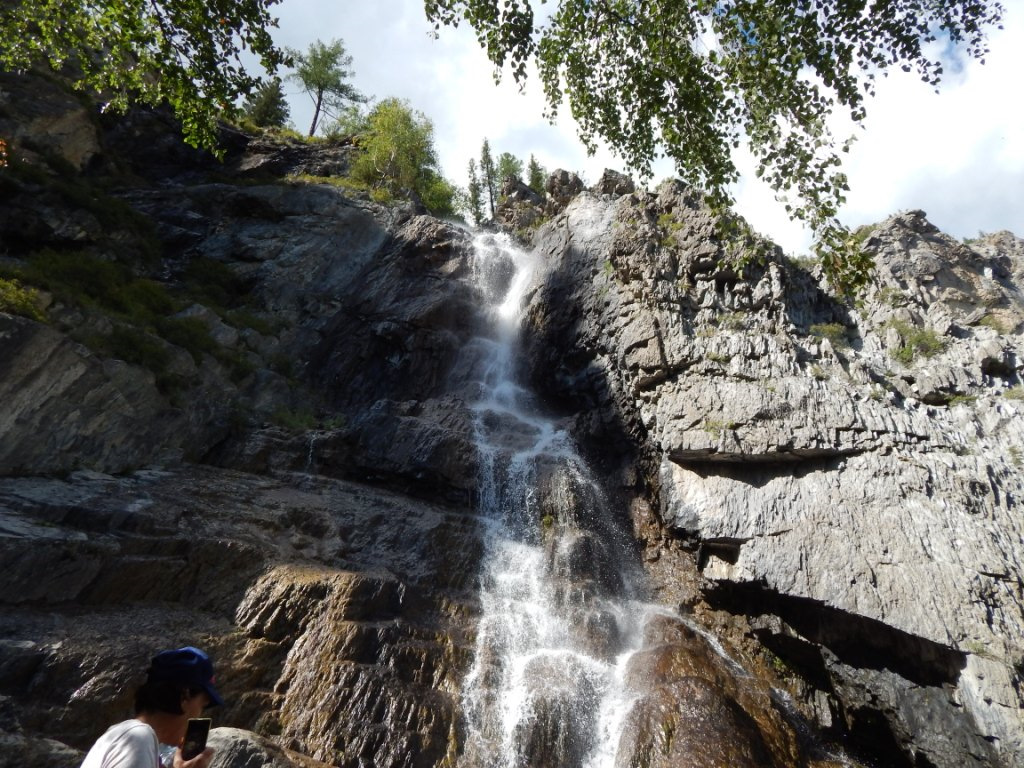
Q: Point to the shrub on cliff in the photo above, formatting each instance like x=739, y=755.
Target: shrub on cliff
x=16, y=299
x=397, y=157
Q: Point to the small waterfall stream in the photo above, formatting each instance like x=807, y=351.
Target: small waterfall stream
x=573, y=667
x=560, y=615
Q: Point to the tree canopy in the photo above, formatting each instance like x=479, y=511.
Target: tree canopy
x=509, y=166
x=186, y=52
x=696, y=80
x=322, y=72
x=397, y=156
x=535, y=175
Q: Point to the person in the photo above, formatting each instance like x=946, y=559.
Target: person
x=179, y=686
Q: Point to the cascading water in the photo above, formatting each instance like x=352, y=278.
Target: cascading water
x=559, y=614
x=572, y=667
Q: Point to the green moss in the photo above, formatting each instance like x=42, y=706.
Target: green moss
x=337, y=421
x=1016, y=457
x=189, y=333
x=295, y=420
x=342, y=182
x=892, y=297
x=19, y=300
x=732, y=321
x=962, y=400
x=715, y=427
x=1014, y=393
x=214, y=284
x=993, y=322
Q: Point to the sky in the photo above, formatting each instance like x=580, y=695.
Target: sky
x=958, y=154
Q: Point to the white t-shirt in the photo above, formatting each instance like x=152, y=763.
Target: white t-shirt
x=131, y=744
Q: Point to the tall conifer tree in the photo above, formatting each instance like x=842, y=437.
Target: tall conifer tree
x=488, y=174
x=475, y=190
x=535, y=174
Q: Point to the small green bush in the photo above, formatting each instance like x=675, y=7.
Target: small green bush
x=962, y=400
x=294, y=420
x=82, y=279
x=834, y=332
x=993, y=322
x=922, y=342
x=131, y=345
x=19, y=300
x=214, y=284
x=243, y=318
x=189, y=333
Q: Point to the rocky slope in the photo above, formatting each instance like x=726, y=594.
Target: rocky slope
x=847, y=478
x=252, y=434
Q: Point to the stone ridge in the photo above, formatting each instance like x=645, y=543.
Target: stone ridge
x=861, y=461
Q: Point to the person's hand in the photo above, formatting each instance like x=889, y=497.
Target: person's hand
x=202, y=760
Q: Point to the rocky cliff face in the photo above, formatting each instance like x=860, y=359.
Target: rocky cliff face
x=254, y=436
x=848, y=479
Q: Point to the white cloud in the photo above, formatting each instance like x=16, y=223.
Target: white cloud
x=958, y=155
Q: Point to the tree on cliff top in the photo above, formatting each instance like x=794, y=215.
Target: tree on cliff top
x=186, y=52
x=267, y=107
x=696, y=80
x=397, y=157
x=322, y=71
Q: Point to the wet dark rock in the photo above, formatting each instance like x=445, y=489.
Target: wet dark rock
x=560, y=718
x=690, y=722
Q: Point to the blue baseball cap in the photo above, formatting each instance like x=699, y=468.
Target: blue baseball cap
x=186, y=666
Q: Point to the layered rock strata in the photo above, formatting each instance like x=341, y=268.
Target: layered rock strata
x=847, y=478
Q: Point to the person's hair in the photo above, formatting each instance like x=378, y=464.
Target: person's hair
x=163, y=696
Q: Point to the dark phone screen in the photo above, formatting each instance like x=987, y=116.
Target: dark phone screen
x=195, y=737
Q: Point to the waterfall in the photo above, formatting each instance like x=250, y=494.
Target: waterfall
x=559, y=610
x=573, y=667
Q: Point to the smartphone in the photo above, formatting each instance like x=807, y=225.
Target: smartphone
x=195, y=737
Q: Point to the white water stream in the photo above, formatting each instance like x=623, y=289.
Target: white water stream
x=559, y=618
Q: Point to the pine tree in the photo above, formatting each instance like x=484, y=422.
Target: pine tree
x=268, y=108
x=475, y=190
x=535, y=176
x=509, y=167
x=322, y=72
x=488, y=174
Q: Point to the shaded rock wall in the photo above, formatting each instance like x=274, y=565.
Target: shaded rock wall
x=339, y=635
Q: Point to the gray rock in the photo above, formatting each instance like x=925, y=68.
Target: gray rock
x=845, y=473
